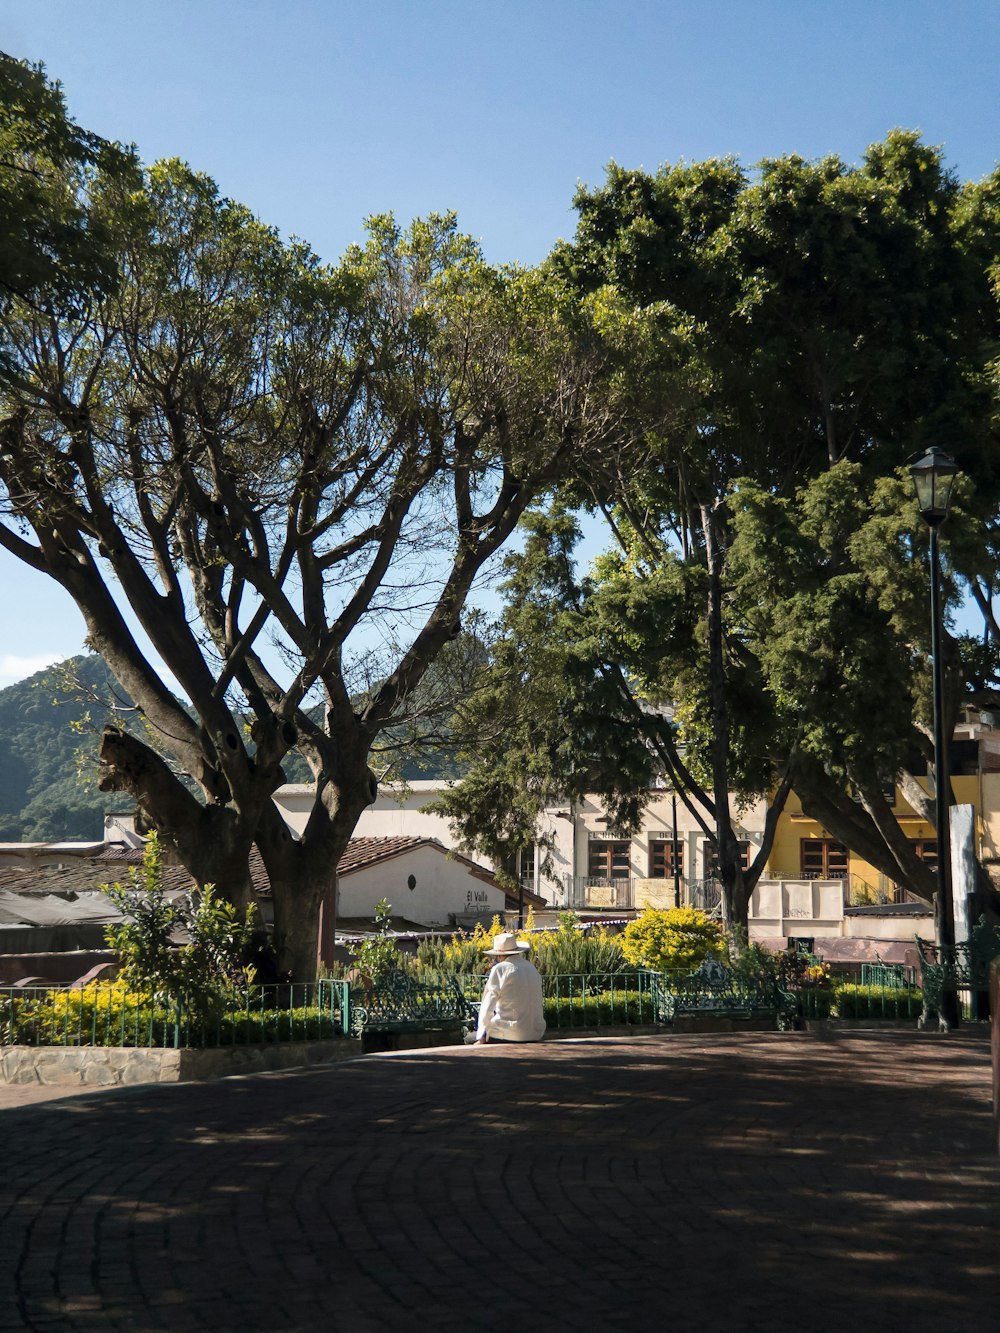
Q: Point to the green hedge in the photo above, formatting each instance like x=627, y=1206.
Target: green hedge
x=855, y=1001
x=604, y=1009
x=41, y=1025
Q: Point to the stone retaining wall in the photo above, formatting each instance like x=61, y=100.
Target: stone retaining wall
x=121, y=1066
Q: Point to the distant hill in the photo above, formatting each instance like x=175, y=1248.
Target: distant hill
x=49, y=736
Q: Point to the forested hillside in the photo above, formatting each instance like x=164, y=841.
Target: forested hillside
x=50, y=726
x=49, y=730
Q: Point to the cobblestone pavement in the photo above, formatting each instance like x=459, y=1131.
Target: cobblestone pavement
x=736, y=1181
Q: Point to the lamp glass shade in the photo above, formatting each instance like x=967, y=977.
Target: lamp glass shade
x=933, y=478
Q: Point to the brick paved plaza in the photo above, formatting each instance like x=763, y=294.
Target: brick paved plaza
x=750, y=1181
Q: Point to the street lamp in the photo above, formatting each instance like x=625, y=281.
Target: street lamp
x=933, y=478
x=673, y=850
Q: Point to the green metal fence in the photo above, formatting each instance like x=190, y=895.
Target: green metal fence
x=854, y=1001
x=111, y=1015
x=890, y=975
x=599, y=1000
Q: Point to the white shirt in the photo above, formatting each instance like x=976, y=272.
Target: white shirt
x=511, y=1007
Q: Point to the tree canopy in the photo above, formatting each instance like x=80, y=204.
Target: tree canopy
x=290, y=473
x=828, y=322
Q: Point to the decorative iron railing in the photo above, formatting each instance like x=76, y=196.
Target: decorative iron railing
x=111, y=1015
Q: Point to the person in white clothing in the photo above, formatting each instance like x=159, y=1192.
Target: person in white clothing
x=511, y=1008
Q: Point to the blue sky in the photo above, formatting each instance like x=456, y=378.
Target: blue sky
x=317, y=114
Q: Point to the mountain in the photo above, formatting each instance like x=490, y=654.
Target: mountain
x=50, y=726
x=50, y=729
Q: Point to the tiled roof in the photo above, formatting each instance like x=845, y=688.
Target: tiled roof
x=364, y=852
x=87, y=874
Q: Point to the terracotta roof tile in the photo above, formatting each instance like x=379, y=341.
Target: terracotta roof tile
x=80, y=874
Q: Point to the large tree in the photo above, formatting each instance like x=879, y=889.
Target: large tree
x=288, y=476
x=830, y=321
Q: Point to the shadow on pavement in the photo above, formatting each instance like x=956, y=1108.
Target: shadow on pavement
x=739, y=1181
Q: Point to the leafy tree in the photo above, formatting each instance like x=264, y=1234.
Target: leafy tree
x=827, y=323
x=292, y=474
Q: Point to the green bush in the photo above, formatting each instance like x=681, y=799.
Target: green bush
x=107, y=1014
x=603, y=1009
x=679, y=939
x=208, y=969
x=814, y=1003
x=855, y=1001
x=244, y=1027
x=572, y=952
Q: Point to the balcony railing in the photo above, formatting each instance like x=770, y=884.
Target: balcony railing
x=592, y=892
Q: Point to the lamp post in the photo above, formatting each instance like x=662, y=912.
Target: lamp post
x=933, y=478
x=673, y=850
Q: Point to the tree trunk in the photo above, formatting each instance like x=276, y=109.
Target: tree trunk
x=212, y=842
x=296, y=925
x=734, y=896
x=301, y=872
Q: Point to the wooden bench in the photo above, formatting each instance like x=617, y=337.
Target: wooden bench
x=966, y=967
x=396, y=1004
x=714, y=990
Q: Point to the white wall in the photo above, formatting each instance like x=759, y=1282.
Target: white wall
x=444, y=887
x=797, y=907
x=394, y=814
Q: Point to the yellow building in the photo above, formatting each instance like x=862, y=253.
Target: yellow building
x=804, y=849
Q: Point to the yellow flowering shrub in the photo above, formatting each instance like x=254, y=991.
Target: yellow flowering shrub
x=678, y=939
x=98, y=1013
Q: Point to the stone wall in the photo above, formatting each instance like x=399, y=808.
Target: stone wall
x=121, y=1066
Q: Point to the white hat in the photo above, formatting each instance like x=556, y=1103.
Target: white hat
x=506, y=944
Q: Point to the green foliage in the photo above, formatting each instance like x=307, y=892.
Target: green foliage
x=679, y=939
x=374, y=957
x=856, y=1001
x=755, y=965
x=601, y=1009
x=816, y=323
x=113, y=1014
x=574, y=952
x=49, y=724
x=463, y=954
x=191, y=948
x=55, y=246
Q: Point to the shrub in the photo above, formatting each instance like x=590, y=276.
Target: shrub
x=815, y=1003
x=679, y=939
x=465, y=952
x=103, y=1013
x=602, y=1009
x=754, y=965
x=855, y=1001
x=208, y=969
x=108, y=1014
x=573, y=951
x=376, y=956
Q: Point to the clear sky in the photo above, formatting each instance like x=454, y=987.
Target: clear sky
x=317, y=113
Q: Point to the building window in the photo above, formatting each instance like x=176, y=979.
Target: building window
x=607, y=859
x=663, y=852
x=526, y=864
x=823, y=858
x=712, y=858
